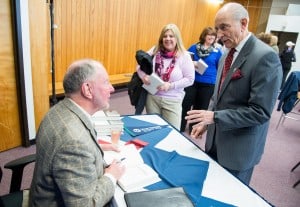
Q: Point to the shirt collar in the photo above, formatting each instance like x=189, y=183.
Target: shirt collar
x=83, y=111
x=239, y=47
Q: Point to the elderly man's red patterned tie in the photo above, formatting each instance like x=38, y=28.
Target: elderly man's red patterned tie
x=227, y=65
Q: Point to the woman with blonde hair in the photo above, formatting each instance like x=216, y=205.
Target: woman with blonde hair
x=274, y=42
x=265, y=37
x=173, y=64
x=269, y=39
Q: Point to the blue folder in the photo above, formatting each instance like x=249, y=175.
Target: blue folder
x=136, y=127
x=158, y=132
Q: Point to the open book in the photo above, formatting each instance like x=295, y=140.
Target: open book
x=155, y=81
x=137, y=174
x=201, y=66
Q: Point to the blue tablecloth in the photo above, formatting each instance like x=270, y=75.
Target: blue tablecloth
x=174, y=169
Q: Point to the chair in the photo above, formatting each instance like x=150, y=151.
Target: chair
x=15, y=196
x=289, y=97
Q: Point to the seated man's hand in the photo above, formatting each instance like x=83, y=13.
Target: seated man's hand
x=116, y=169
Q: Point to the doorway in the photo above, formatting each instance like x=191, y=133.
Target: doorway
x=283, y=37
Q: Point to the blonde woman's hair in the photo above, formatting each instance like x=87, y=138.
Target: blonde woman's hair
x=179, y=46
x=265, y=37
x=274, y=40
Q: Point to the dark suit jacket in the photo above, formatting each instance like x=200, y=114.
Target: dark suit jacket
x=244, y=105
x=69, y=162
x=286, y=58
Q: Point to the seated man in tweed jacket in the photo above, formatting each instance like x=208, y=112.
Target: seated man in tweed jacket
x=70, y=170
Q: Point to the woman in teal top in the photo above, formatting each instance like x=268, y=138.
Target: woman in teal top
x=199, y=94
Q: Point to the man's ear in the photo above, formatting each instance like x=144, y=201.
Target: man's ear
x=86, y=90
x=244, y=23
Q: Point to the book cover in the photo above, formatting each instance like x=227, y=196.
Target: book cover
x=155, y=82
x=169, y=197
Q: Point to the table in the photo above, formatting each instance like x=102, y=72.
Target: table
x=219, y=184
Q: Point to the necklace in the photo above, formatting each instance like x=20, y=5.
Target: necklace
x=202, y=51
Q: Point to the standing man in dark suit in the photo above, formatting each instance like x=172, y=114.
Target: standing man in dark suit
x=69, y=169
x=287, y=56
x=238, y=117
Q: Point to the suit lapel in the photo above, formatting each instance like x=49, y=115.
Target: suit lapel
x=237, y=64
x=84, y=119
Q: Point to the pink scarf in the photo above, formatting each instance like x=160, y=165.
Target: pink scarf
x=159, y=64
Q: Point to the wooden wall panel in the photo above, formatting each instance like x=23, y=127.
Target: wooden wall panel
x=112, y=30
x=254, y=10
x=10, y=131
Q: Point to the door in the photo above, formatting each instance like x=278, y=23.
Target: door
x=283, y=37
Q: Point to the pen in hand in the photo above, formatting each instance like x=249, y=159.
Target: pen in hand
x=119, y=161
x=122, y=159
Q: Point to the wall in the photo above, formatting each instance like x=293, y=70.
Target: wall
x=279, y=7
x=10, y=131
x=287, y=23
x=112, y=31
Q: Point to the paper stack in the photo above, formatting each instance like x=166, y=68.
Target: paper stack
x=104, y=121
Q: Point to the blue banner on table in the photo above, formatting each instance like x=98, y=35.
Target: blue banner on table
x=152, y=138
x=136, y=127
x=137, y=131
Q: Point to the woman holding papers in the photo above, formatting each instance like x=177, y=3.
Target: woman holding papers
x=206, y=57
x=173, y=71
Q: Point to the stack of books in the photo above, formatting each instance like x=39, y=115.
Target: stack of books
x=105, y=121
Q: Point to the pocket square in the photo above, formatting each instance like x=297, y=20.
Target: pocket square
x=237, y=74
